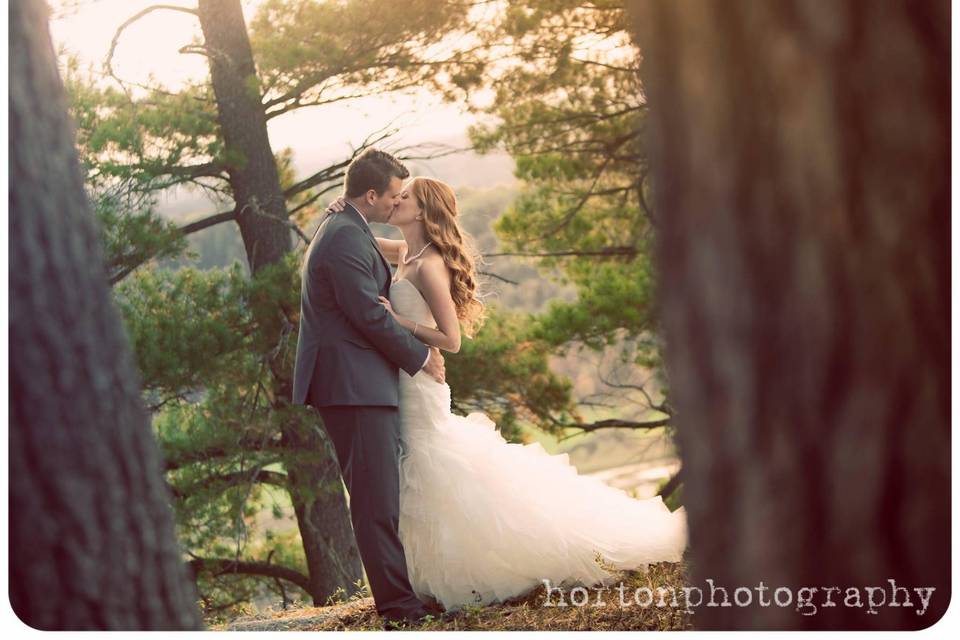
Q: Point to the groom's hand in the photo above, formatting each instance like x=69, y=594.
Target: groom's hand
x=434, y=366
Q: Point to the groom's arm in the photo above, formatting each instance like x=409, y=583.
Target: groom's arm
x=350, y=273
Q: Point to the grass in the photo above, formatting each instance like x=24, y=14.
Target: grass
x=525, y=613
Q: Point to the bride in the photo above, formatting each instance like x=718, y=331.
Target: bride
x=481, y=519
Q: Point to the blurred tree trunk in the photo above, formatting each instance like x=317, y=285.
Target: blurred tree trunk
x=331, y=552
x=802, y=176
x=92, y=542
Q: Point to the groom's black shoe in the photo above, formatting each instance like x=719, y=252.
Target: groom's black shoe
x=412, y=620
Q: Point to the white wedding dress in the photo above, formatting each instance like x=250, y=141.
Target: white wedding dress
x=483, y=520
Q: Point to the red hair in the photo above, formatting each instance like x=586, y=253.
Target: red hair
x=439, y=205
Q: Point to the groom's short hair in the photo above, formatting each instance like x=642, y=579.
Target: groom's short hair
x=372, y=169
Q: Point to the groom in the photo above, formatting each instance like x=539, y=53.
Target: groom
x=349, y=354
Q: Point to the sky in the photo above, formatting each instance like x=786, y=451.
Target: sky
x=149, y=48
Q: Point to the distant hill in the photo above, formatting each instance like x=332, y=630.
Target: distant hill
x=467, y=169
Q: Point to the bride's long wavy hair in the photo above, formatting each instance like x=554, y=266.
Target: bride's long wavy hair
x=440, y=209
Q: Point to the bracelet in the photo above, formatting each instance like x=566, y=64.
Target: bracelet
x=415, y=327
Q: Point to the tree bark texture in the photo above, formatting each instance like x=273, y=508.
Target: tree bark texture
x=801, y=154
x=317, y=494
x=92, y=542
x=252, y=168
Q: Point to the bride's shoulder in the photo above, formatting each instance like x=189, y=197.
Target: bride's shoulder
x=431, y=259
x=431, y=265
x=432, y=255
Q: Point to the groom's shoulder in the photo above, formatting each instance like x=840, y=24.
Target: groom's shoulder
x=338, y=229
x=330, y=224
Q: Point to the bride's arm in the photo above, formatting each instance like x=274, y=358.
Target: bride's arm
x=392, y=249
x=435, y=286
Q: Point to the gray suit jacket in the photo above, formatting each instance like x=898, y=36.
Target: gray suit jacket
x=350, y=348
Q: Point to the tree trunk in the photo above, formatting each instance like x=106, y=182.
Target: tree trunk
x=802, y=177
x=92, y=542
x=322, y=516
x=316, y=491
x=254, y=180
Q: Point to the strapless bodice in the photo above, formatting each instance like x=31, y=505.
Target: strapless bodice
x=409, y=303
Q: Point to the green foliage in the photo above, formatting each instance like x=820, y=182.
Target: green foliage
x=273, y=299
x=227, y=596
x=130, y=235
x=505, y=373
x=145, y=143
x=569, y=108
x=529, y=289
x=311, y=52
x=187, y=327
x=215, y=247
x=614, y=302
x=302, y=206
x=209, y=345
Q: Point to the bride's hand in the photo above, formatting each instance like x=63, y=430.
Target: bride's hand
x=337, y=205
x=386, y=303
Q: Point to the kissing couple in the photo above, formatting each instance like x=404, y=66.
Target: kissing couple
x=445, y=511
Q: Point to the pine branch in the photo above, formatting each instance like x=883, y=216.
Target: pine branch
x=220, y=451
x=208, y=221
x=122, y=266
x=261, y=476
x=607, y=252
x=108, y=63
x=221, y=566
x=619, y=424
x=490, y=274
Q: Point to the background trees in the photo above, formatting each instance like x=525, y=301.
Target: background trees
x=569, y=107
x=216, y=347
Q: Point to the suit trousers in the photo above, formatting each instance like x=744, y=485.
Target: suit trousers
x=367, y=441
